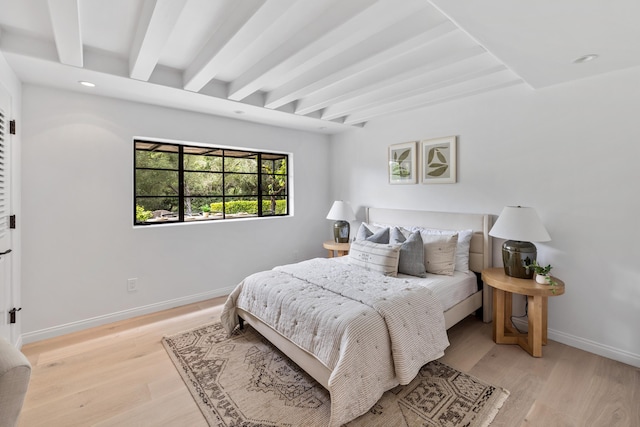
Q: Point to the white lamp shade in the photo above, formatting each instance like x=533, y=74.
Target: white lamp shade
x=341, y=211
x=520, y=223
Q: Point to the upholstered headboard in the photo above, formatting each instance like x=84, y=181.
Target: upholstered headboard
x=480, y=251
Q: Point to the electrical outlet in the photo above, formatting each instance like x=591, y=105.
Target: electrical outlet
x=132, y=285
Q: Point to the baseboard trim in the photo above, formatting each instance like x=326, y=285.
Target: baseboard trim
x=55, y=331
x=587, y=345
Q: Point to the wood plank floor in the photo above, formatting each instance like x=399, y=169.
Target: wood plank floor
x=120, y=375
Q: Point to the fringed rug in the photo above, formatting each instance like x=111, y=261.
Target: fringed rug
x=245, y=381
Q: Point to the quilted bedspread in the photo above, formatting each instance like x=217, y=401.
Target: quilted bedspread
x=372, y=331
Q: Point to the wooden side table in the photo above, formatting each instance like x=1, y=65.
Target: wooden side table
x=537, y=295
x=341, y=249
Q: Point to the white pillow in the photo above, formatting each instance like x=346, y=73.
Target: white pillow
x=462, y=247
x=371, y=256
x=440, y=253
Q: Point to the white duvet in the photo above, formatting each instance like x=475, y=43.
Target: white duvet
x=373, y=332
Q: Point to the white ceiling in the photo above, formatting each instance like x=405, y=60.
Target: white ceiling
x=319, y=65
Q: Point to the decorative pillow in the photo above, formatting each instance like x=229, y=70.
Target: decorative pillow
x=372, y=233
x=406, y=231
x=379, y=257
x=411, y=252
x=462, y=248
x=363, y=232
x=439, y=253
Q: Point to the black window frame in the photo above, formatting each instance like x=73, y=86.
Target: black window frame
x=223, y=152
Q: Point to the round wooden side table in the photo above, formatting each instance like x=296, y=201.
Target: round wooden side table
x=340, y=249
x=537, y=295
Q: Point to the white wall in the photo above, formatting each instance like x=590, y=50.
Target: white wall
x=572, y=152
x=80, y=246
x=9, y=81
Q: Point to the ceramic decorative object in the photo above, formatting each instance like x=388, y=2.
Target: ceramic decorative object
x=543, y=279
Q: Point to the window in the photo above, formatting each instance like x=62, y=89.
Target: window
x=182, y=183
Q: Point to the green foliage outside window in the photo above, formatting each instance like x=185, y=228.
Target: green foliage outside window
x=142, y=215
x=175, y=182
x=250, y=207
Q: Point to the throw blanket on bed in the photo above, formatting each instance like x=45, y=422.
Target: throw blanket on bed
x=374, y=332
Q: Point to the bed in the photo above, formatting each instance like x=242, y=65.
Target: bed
x=346, y=354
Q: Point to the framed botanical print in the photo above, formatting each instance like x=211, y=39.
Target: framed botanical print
x=402, y=163
x=439, y=160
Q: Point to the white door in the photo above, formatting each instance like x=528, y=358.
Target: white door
x=6, y=294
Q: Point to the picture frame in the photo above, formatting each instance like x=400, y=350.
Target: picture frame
x=439, y=160
x=403, y=163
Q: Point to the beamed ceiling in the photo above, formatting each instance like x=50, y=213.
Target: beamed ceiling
x=320, y=65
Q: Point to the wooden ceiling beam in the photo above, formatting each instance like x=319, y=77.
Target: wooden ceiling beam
x=410, y=83
x=239, y=31
x=156, y=23
x=65, y=20
x=415, y=66
x=483, y=82
x=387, y=44
x=320, y=39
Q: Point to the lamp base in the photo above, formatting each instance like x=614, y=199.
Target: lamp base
x=515, y=256
x=341, y=231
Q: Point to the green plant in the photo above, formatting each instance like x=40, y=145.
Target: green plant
x=205, y=208
x=276, y=183
x=538, y=269
x=250, y=207
x=141, y=214
x=543, y=271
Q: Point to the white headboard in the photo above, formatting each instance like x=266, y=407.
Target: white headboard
x=480, y=252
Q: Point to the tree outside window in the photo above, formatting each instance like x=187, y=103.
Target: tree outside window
x=182, y=183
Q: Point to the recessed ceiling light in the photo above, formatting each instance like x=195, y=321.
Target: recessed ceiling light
x=586, y=58
x=87, y=84
x=239, y=112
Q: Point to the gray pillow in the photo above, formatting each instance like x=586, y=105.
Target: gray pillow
x=411, y=260
x=373, y=234
x=363, y=232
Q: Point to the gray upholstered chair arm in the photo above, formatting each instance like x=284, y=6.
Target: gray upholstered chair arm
x=15, y=371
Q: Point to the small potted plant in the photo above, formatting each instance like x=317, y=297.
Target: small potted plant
x=205, y=210
x=542, y=273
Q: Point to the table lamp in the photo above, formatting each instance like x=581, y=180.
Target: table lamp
x=521, y=226
x=342, y=213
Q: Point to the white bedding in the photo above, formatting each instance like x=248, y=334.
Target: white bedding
x=373, y=332
x=449, y=290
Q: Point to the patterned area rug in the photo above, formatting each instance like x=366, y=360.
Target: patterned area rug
x=245, y=381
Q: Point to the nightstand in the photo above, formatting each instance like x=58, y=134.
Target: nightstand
x=340, y=249
x=503, y=288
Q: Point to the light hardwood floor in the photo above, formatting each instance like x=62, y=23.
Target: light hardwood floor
x=120, y=375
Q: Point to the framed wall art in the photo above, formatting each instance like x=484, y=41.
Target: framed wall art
x=402, y=163
x=439, y=160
